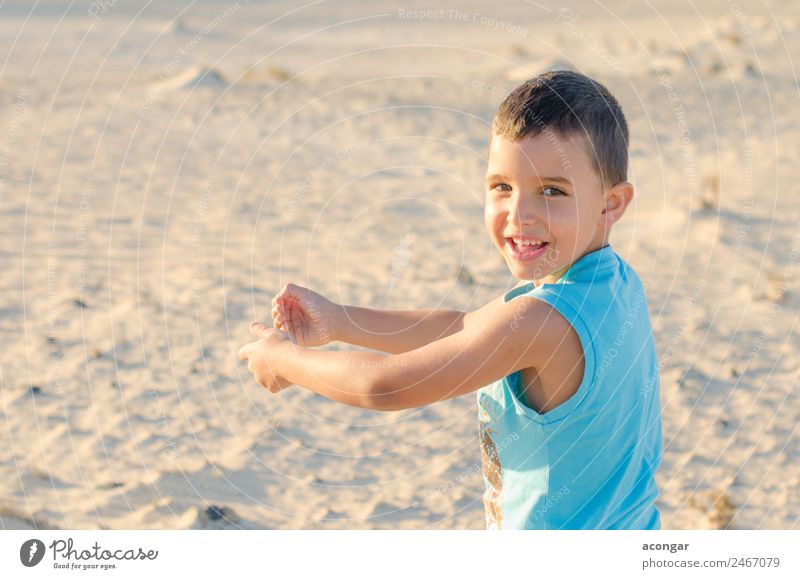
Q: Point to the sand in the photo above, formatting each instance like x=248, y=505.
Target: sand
x=164, y=170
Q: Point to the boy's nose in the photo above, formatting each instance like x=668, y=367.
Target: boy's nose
x=521, y=212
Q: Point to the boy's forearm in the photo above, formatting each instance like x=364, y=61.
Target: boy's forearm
x=395, y=331
x=352, y=378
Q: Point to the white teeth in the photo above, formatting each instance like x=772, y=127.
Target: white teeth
x=521, y=242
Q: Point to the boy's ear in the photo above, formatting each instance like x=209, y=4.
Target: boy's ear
x=618, y=198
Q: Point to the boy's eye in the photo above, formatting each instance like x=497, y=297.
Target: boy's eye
x=554, y=191
x=547, y=191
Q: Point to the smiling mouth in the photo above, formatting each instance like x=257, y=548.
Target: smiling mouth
x=524, y=250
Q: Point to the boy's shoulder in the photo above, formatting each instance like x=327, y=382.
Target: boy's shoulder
x=525, y=320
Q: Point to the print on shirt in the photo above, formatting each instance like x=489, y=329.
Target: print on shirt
x=493, y=472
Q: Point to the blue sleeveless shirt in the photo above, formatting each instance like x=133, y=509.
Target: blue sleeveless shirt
x=590, y=462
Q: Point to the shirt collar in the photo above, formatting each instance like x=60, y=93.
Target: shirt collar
x=587, y=268
x=590, y=265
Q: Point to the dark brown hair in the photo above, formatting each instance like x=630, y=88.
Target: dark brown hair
x=569, y=103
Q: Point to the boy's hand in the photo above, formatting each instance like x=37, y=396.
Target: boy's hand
x=261, y=356
x=309, y=318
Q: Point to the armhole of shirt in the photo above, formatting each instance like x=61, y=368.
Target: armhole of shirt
x=564, y=409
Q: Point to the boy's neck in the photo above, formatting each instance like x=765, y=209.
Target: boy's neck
x=556, y=275
x=553, y=277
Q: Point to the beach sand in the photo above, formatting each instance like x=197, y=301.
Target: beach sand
x=165, y=170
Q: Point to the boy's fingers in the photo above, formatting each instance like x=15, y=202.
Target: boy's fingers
x=282, y=299
x=243, y=352
x=258, y=329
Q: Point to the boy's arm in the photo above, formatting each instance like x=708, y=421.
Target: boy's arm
x=519, y=334
x=399, y=331
x=395, y=331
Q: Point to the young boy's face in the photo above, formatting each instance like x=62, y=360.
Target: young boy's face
x=543, y=188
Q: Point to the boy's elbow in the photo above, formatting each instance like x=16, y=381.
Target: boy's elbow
x=382, y=395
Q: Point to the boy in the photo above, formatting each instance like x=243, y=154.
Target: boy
x=564, y=366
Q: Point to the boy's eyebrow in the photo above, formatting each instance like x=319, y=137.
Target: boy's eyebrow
x=497, y=177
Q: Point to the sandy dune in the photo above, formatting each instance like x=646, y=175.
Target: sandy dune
x=164, y=171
